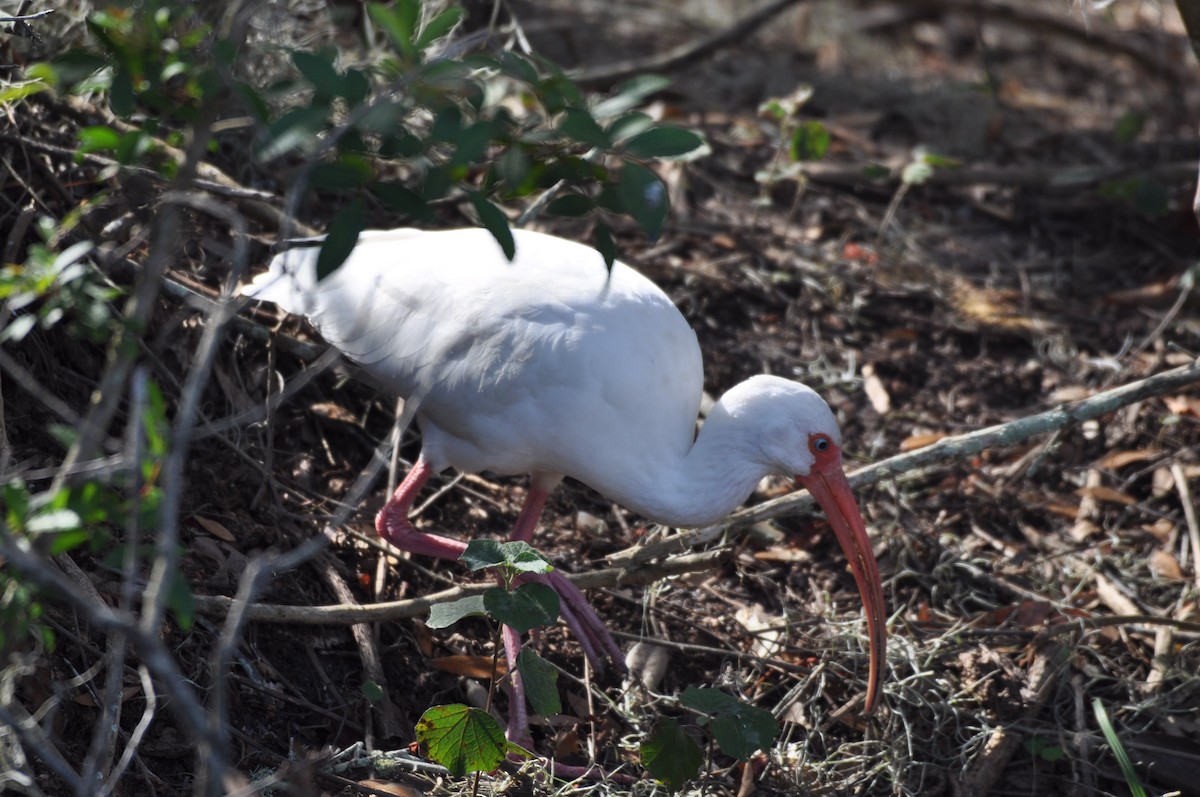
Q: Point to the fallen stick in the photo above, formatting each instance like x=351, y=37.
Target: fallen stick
x=646, y=563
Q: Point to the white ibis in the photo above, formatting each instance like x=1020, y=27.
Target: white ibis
x=553, y=366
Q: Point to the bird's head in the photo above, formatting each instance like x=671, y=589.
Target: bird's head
x=798, y=436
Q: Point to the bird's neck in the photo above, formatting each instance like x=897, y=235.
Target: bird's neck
x=714, y=477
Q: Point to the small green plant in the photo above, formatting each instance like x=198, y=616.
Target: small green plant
x=414, y=129
x=465, y=739
x=673, y=756
x=48, y=523
x=1044, y=749
x=80, y=515
x=52, y=286
x=800, y=140
x=1118, y=750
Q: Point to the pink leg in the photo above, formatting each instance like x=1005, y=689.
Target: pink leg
x=578, y=614
x=518, y=715
x=393, y=525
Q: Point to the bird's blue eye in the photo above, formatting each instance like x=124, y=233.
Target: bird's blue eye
x=821, y=444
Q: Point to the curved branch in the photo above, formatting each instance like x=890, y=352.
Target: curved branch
x=646, y=563
x=685, y=54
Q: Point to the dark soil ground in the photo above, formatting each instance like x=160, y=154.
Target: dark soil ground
x=1007, y=284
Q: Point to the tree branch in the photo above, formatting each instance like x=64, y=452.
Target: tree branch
x=647, y=563
x=686, y=53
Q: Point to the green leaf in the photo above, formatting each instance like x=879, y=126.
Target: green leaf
x=496, y=223
x=572, y=205
x=518, y=67
x=75, y=66
x=439, y=26
x=1118, y=750
x=708, y=700
x=541, y=682
x=296, y=129
x=810, y=141
x=665, y=141
x=372, y=691
x=775, y=109
x=12, y=92
x=739, y=728
x=558, y=93
x=319, y=71
x=181, y=601
x=670, y=755
x=462, y=739
x=355, y=87
x=132, y=146
x=745, y=730
x=1043, y=749
x=471, y=143
x=528, y=606
x=581, y=126
x=16, y=503
x=349, y=172
x=644, y=197
x=1129, y=126
x=447, y=125
x=629, y=125
x=630, y=94
x=399, y=24
x=69, y=541
x=481, y=553
x=515, y=555
x=940, y=161
x=401, y=198
x=342, y=237
x=443, y=615
x=98, y=139
x=385, y=118
x=524, y=558
x=437, y=182
x=512, y=167
x=603, y=241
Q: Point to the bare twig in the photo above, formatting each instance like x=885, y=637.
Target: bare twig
x=638, y=566
x=1045, y=19
x=416, y=607
x=961, y=447
x=687, y=53
x=27, y=17
x=98, y=763
x=33, y=387
x=368, y=652
x=34, y=738
x=1189, y=514
x=256, y=574
x=1069, y=177
x=154, y=653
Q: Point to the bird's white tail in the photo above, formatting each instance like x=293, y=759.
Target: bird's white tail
x=290, y=281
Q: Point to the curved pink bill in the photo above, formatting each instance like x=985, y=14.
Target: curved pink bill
x=828, y=485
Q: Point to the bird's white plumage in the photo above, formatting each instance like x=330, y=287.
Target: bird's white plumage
x=550, y=365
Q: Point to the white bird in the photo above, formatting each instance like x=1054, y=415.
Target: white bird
x=553, y=365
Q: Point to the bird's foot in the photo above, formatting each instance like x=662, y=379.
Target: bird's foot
x=594, y=637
